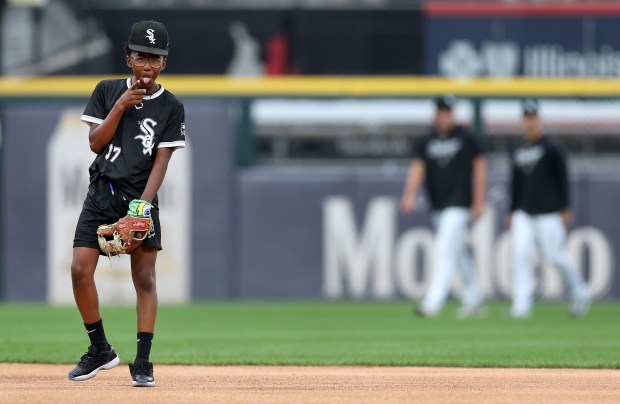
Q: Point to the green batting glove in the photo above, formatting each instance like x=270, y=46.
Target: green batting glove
x=139, y=208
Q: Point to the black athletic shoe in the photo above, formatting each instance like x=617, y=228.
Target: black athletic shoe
x=142, y=374
x=93, y=361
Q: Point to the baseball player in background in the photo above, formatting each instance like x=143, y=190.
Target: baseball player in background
x=451, y=163
x=539, y=214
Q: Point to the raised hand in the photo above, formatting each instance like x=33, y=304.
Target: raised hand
x=132, y=97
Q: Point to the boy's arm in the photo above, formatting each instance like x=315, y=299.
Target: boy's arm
x=160, y=165
x=101, y=135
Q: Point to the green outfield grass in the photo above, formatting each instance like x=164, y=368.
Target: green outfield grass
x=324, y=333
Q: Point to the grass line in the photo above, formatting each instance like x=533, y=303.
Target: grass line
x=323, y=333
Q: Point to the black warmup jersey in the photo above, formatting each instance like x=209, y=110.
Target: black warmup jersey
x=448, y=161
x=539, y=177
x=158, y=122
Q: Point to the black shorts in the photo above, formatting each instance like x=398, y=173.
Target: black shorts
x=102, y=206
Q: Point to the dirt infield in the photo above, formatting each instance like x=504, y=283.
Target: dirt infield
x=291, y=384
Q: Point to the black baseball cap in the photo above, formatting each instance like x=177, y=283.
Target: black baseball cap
x=150, y=37
x=530, y=106
x=445, y=102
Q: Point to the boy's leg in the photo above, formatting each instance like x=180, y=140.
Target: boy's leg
x=83, y=281
x=100, y=354
x=143, y=274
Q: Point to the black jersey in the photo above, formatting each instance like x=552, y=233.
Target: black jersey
x=159, y=121
x=448, y=160
x=539, y=177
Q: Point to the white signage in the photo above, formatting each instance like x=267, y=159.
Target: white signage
x=503, y=59
x=370, y=260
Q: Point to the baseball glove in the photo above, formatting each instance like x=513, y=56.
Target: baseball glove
x=124, y=236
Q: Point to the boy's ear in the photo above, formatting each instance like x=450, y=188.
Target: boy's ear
x=164, y=63
x=128, y=60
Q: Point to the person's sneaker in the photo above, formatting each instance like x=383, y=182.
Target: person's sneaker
x=469, y=311
x=422, y=311
x=92, y=362
x=519, y=313
x=142, y=373
x=580, y=306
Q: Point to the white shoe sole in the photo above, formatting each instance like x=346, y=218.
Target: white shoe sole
x=113, y=363
x=147, y=384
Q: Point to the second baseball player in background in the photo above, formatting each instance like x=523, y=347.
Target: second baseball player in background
x=540, y=213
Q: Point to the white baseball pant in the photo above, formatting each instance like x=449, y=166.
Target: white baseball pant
x=548, y=232
x=451, y=252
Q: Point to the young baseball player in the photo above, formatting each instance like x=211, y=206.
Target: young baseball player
x=451, y=163
x=135, y=125
x=540, y=214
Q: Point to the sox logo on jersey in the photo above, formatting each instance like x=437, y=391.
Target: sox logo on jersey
x=527, y=158
x=148, y=135
x=444, y=150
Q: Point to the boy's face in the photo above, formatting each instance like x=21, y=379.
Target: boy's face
x=146, y=67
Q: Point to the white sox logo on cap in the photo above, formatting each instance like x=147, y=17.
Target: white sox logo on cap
x=150, y=34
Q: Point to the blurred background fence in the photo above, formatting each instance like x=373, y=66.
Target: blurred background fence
x=301, y=116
